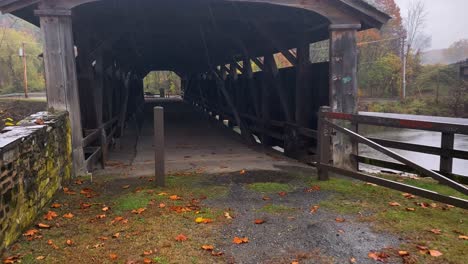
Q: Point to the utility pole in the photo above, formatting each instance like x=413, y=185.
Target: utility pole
x=403, y=56
x=22, y=54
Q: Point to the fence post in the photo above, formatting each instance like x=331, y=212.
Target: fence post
x=323, y=144
x=159, y=161
x=446, y=160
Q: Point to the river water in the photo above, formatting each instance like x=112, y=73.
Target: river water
x=426, y=138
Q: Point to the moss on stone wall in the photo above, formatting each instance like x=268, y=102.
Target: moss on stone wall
x=33, y=168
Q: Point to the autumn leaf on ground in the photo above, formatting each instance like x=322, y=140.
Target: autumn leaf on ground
x=43, y=226
x=242, y=172
x=259, y=221
x=68, y=191
x=116, y=235
x=125, y=186
x=56, y=205
x=408, y=195
x=147, y=253
x=113, y=256
x=238, y=240
x=138, y=211
x=394, y=204
x=181, y=237
x=68, y=216
x=174, y=197
x=295, y=262
x=282, y=193
x=105, y=209
x=78, y=182
x=312, y=189
x=340, y=220
x=378, y=256
x=147, y=261
x=162, y=205
x=216, y=254
x=119, y=219
x=31, y=232
x=352, y=260
x=207, y=247
x=266, y=198
x=50, y=215
x=463, y=237
x=436, y=231
x=85, y=205
x=227, y=215
x=162, y=194
x=11, y=259
x=403, y=253
x=40, y=257
x=409, y=209
x=435, y=253
x=69, y=242
x=314, y=209
x=102, y=216
x=200, y=220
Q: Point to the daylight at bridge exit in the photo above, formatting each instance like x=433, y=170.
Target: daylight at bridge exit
x=233, y=131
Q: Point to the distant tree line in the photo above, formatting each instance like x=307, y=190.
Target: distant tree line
x=167, y=80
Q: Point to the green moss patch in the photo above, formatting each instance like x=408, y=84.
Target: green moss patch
x=270, y=187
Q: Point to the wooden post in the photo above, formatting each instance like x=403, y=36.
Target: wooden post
x=273, y=72
x=159, y=161
x=343, y=88
x=446, y=161
x=323, y=144
x=60, y=74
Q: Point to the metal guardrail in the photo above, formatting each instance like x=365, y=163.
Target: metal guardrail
x=324, y=166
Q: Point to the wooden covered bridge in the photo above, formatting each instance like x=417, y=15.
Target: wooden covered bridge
x=97, y=53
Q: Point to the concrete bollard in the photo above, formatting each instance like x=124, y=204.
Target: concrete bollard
x=159, y=160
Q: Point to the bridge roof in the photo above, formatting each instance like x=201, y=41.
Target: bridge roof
x=195, y=35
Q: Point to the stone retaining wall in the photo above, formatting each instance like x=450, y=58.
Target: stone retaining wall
x=35, y=160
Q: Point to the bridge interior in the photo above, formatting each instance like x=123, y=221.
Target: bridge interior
x=97, y=53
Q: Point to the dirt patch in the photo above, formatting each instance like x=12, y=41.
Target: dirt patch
x=17, y=110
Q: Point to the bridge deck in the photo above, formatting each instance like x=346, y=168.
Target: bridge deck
x=193, y=143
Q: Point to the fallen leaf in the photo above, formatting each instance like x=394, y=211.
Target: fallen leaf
x=259, y=221
x=78, y=182
x=312, y=189
x=266, y=198
x=147, y=253
x=435, y=253
x=68, y=216
x=40, y=258
x=147, y=261
x=138, y=211
x=200, y=220
x=242, y=172
x=162, y=193
x=463, y=237
x=409, y=209
x=125, y=186
x=403, y=253
x=50, y=215
x=352, y=260
x=174, y=197
x=56, y=205
x=162, y=205
x=103, y=238
x=436, y=231
x=340, y=220
x=31, y=232
x=113, y=256
x=295, y=262
x=43, y=226
x=116, y=235
x=314, y=209
x=378, y=256
x=181, y=238
x=39, y=121
x=105, y=209
x=69, y=242
x=408, y=195
x=208, y=247
x=85, y=205
x=421, y=247
x=282, y=193
x=102, y=216
x=238, y=240
x=216, y=254
x=227, y=215
x=394, y=204
x=371, y=184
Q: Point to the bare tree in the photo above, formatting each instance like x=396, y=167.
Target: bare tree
x=415, y=23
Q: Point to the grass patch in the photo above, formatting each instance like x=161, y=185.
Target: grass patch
x=352, y=197
x=276, y=209
x=131, y=201
x=270, y=187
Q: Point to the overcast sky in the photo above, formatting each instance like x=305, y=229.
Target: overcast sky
x=447, y=20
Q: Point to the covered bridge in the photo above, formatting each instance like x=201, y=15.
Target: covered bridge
x=211, y=45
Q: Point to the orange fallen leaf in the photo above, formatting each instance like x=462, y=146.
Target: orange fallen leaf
x=125, y=186
x=295, y=262
x=208, y=247
x=312, y=189
x=408, y=195
x=259, y=221
x=266, y=198
x=162, y=205
x=147, y=261
x=40, y=257
x=409, y=209
x=403, y=253
x=68, y=191
x=43, y=226
x=242, y=172
x=102, y=216
x=138, y=211
x=463, y=237
x=352, y=260
x=78, y=182
x=68, y=216
x=116, y=235
x=282, y=193
x=227, y=215
x=174, y=197
x=201, y=220
x=435, y=253
x=103, y=238
x=436, y=231
x=238, y=240
x=216, y=254
x=394, y=204
x=69, y=242
x=105, y=209
x=181, y=237
x=85, y=205
x=113, y=256
x=378, y=256
x=50, y=215
x=340, y=220
x=147, y=253
x=31, y=232
x=314, y=209
x=55, y=205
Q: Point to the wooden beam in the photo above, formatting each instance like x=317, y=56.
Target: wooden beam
x=290, y=57
x=273, y=72
x=258, y=63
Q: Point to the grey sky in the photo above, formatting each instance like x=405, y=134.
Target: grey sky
x=447, y=20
